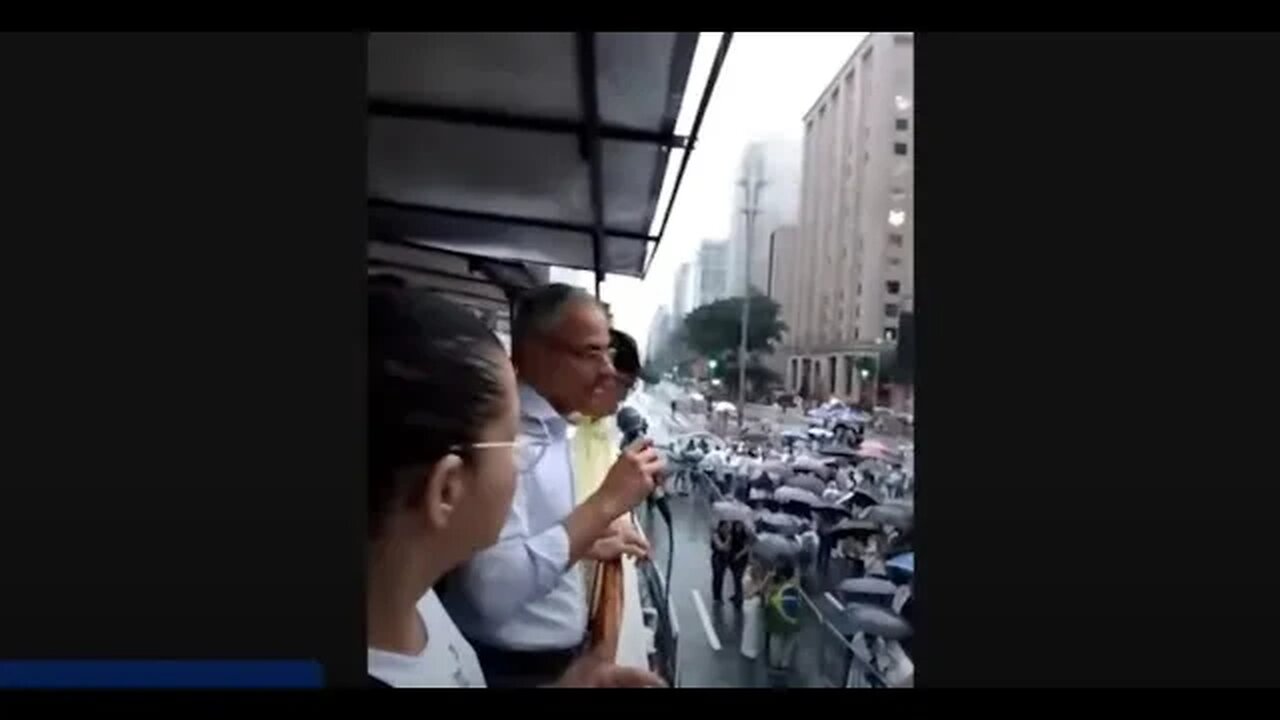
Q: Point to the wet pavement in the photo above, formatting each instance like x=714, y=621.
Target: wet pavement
x=701, y=663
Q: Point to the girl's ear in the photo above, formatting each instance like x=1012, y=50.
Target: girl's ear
x=443, y=489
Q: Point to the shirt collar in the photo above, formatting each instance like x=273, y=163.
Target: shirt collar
x=533, y=406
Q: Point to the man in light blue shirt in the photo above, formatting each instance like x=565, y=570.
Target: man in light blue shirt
x=522, y=603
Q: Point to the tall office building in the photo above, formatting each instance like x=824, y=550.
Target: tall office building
x=712, y=273
x=770, y=170
x=849, y=276
x=683, y=299
x=661, y=328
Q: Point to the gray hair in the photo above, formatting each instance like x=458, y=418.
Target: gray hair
x=540, y=309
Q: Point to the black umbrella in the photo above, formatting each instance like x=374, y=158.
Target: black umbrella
x=865, y=497
x=861, y=530
x=832, y=511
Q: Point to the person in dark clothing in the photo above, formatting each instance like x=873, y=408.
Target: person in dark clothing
x=720, y=553
x=739, y=548
x=729, y=547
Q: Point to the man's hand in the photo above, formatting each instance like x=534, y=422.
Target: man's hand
x=590, y=671
x=632, y=477
x=622, y=538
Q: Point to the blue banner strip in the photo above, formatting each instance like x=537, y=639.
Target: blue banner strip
x=153, y=674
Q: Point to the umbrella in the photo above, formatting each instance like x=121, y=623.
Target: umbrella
x=830, y=510
x=820, y=433
x=807, y=463
x=795, y=435
x=876, y=448
x=861, y=530
x=901, y=568
x=771, y=546
x=839, y=451
x=780, y=522
x=877, y=621
x=756, y=436
x=897, y=516
x=797, y=495
x=731, y=510
x=872, y=587
x=807, y=482
x=761, y=482
x=865, y=497
x=725, y=407
x=875, y=454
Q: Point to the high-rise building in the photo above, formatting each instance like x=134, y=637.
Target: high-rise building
x=712, y=273
x=684, y=293
x=770, y=172
x=661, y=328
x=848, y=278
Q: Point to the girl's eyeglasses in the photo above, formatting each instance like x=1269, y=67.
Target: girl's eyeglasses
x=527, y=451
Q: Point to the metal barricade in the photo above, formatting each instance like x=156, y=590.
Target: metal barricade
x=841, y=664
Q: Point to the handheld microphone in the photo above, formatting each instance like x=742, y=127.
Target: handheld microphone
x=633, y=427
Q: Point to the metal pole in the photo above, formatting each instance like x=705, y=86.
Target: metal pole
x=752, y=199
x=746, y=314
x=769, y=284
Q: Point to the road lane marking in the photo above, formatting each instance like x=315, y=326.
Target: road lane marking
x=712, y=637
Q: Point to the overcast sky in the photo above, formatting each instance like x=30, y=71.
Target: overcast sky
x=768, y=82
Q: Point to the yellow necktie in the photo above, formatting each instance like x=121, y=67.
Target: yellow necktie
x=593, y=454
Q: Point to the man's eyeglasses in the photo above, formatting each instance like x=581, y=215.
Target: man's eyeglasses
x=526, y=451
x=600, y=355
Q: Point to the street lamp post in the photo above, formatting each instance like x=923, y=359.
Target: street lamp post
x=751, y=200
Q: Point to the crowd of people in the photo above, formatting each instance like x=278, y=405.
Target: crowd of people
x=493, y=484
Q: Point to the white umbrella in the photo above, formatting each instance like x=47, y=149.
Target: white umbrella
x=796, y=495
x=725, y=407
x=781, y=521
x=808, y=482
x=732, y=510
x=771, y=546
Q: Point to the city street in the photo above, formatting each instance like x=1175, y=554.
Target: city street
x=710, y=634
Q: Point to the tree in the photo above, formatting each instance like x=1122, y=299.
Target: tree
x=714, y=330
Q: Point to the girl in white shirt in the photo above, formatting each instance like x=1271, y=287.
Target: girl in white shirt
x=443, y=455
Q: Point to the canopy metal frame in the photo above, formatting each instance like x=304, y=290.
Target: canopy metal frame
x=590, y=131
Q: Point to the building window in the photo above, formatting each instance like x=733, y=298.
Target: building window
x=892, y=286
x=859, y=288
x=900, y=124
x=899, y=148
x=855, y=335
x=895, y=239
x=891, y=334
x=891, y=310
x=895, y=261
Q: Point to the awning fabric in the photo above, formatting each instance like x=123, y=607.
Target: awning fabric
x=521, y=150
